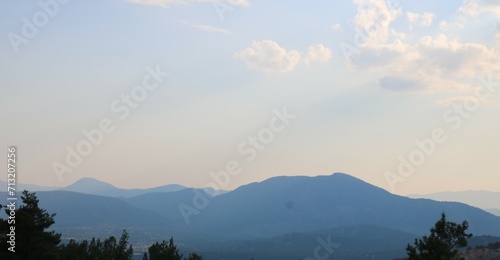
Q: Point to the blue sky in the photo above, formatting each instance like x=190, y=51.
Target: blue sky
x=401, y=94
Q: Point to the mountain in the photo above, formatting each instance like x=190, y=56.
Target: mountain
x=351, y=242
x=96, y=187
x=85, y=216
x=299, y=204
x=281, y=216
x=486, y=200
x=22, y=186
x=167, y=204
x=493, y=211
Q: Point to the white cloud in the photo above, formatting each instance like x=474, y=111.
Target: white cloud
x=433, y=63
x=428, y=63
x=477, y=7
x=206, y=28
x=416, y=19
x=443, y=25
x=336, y=27
x=269, y=57
x=317, y=53
x=374, y=17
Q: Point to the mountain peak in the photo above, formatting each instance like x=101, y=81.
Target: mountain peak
x=89, y=185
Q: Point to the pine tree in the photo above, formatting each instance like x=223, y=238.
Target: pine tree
x=442, y=244
x=164, y=251
x=33, y=241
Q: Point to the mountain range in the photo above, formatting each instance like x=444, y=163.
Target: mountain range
x=487, y=200
x=96, y=187
x=279, y=218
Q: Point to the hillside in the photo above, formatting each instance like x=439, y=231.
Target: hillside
x=299, y=204
x=281, y=216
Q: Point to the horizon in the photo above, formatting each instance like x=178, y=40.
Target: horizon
x=402, y=95
x=260, y=181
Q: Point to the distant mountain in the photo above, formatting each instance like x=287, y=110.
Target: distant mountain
x=494, y=211
x=22, y=186
x=167, y=204
x=480, y=199
x=96, y=187
x=299, y=204
x=281, y=216
x=85, y=216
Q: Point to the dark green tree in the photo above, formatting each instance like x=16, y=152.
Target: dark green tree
x=194, y=256
x=33, y=241
x=442, y=243
x=74, y=250
x=167, y=251
x=110, y=249
x=124, y=250
x=164, y=251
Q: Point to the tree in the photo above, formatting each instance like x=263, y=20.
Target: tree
x=30, y=223
x=167, y=251
x=110, y=249
x=194, y=256
x=442, y=244
x=163, y=251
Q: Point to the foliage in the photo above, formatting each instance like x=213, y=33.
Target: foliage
x=96, y=249
x=194, y=256
x=167, y=251
x=32, y=241
x=164, y=251
x=442, y=244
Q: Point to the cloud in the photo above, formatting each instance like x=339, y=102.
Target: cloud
x=317, y=53
x=167, y=3
x=207, y=28
x=433, y=63
x=336, y=27
x=415, y=19
x=476, y=7
x=269, y=57
x=424, y=63
x=374, y=17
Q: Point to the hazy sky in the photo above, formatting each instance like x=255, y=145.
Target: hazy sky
x=141, y=93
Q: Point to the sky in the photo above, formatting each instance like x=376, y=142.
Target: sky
x=221, y=93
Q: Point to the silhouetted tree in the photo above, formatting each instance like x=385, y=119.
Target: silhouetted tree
x=442, y=244
x=194, y=256
x=31, y=238
x=163, y=251
x=167, y=251
x=110, y=249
